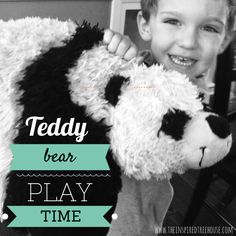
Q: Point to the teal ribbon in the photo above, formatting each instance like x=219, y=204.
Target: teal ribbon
x=59, y=216
x=62, y=157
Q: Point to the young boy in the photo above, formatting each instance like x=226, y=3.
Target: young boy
x=185, y=35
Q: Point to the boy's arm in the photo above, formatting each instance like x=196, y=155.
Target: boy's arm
x=120, y=45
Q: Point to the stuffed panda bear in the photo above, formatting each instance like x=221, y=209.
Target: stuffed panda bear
x=152, y=119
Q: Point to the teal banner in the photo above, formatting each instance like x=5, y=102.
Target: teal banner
x=59, y=216
x=66, y=157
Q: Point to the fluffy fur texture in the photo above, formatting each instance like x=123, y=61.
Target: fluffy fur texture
x=59, y=69
x=20, y=44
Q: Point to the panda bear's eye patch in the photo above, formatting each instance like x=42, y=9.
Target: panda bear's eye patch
x=173, y=123
x=113, y=88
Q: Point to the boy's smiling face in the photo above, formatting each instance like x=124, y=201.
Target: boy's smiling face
x=187, y=35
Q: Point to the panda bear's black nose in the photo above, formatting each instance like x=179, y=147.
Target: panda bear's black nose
x=219, y=125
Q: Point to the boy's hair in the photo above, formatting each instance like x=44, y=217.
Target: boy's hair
x=150, y=7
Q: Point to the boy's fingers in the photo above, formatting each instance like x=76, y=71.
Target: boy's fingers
x=120, y=45
x=115, y=41
x=123, y=47
x=131, y=53
x=108, y=34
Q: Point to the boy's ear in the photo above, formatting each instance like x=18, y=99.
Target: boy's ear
x=143, y=27
x=228, y=38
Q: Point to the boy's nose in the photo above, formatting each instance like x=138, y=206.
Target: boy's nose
x=188, y=38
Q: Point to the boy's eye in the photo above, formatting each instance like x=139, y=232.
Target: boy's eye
x=210, y=29
x=172, y=21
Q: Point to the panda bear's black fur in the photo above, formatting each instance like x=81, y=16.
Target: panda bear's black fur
x=113, y=88
x=45, y=83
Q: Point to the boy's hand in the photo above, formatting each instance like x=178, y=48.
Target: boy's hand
x=120, y=45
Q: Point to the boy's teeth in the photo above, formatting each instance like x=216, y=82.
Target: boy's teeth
x=183, y=61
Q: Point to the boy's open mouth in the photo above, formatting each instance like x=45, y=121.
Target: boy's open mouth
x=182, y=61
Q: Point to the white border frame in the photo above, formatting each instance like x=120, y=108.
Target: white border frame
x=118, y=12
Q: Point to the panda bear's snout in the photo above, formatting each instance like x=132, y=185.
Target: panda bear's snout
x=219, y=126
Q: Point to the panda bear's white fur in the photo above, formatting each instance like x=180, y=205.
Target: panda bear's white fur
x=152, y=118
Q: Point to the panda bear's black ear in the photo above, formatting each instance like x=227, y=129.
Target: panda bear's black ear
x=113, y=88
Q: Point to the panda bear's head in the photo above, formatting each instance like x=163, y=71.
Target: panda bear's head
x=157, y=122
x=159, y=126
